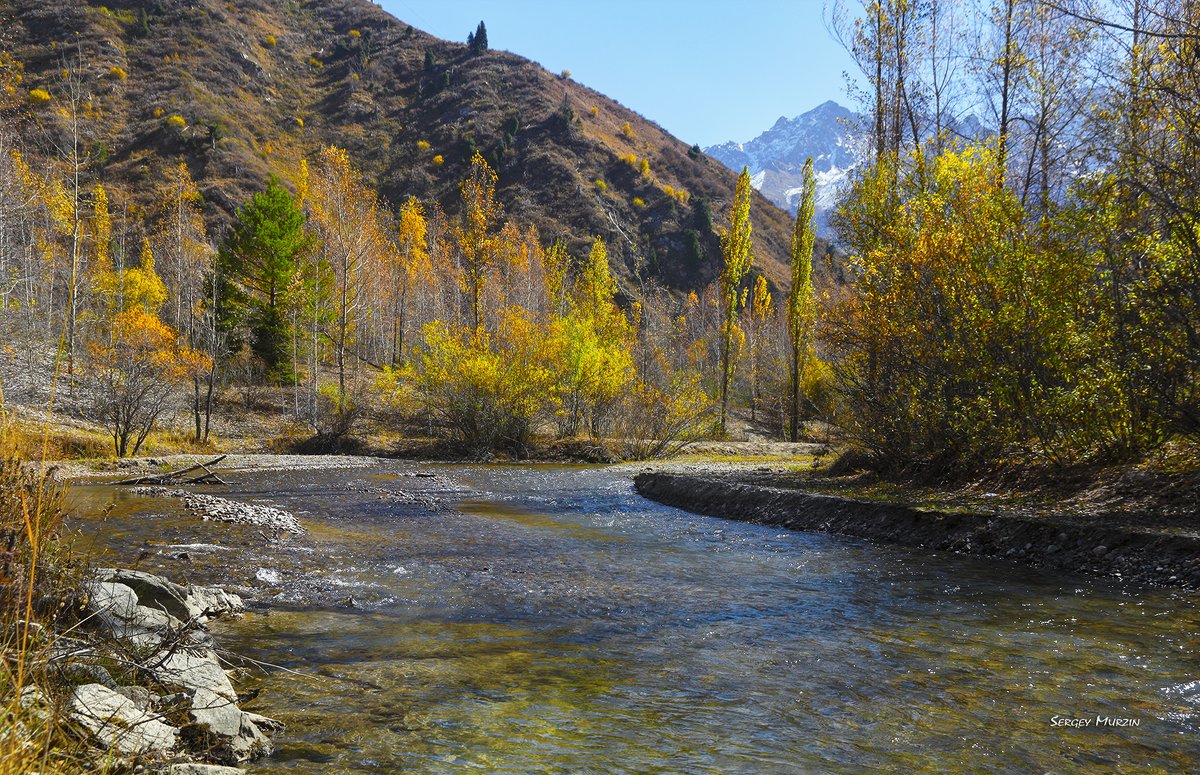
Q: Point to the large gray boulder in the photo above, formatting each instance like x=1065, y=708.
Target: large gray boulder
x=115, y=608
x=188, y=670
x=183, y=603
x=117, y=723
x=223, y=731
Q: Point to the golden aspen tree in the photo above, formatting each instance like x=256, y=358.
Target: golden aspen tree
x=476, y=246
x=801, y=299
x=412, y=263
x=736, y=250
x=759, y=312
x=347, y=218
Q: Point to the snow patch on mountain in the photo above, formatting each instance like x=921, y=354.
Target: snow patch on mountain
x=828, y=133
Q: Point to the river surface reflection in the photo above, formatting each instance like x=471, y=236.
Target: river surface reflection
x=518, y=619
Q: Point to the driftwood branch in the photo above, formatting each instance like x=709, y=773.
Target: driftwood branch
x=170, y=476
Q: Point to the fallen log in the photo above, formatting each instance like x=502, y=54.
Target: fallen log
x=172, y=475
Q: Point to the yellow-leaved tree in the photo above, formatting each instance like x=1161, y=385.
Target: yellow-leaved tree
x=598, y=364
x=137, y=362
x=801, y=299
x=347, y=219
x=736, y=250
x=476, y=245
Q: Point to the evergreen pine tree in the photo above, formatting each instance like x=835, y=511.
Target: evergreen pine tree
x=481, y=41
x=259, y=262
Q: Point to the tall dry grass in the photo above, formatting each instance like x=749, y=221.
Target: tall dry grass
x=37, y=576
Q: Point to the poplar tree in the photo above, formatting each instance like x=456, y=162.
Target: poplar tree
x=800, y=297
x=736, y=249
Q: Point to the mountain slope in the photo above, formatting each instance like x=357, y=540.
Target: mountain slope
x=259, y=84
x=776, y=157
x=834, y=137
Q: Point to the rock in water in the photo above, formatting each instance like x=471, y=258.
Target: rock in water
x=223, y=730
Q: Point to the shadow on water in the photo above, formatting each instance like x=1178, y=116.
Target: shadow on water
x=548, y=619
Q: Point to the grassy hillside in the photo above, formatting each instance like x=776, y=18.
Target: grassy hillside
x=244, y=90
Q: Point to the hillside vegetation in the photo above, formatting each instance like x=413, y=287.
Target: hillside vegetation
x=259, y=85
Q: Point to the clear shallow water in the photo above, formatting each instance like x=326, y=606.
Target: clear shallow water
x=555, y=621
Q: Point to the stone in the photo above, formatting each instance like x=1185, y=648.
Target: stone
x=114, y=607
x=222, y=731
x=188, y=669
x=203, y=769
x=151, y=591
x=117, y=723
x=262, y=722
x=140, y=695
x=183, y=603
x=214, y=601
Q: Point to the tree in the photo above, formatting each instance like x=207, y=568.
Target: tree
x=136, y=361
x=759, y=313
x=736, y=250
x=477, y=41
x=597, y=363
x=347, y=220
x=182, y=245
x=800, y=297
x=476, y=246
x=260, y=262
x=410, y=261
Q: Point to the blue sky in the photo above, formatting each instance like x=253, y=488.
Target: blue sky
x=706, y=70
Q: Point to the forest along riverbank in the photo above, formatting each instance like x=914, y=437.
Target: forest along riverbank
x=1147, y=554
x=524, y=618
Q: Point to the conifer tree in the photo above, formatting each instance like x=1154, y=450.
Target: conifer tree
x=259, y=260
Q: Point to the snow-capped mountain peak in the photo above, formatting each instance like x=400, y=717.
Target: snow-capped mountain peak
x=827, y=133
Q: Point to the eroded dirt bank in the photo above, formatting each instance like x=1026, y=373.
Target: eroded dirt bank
x=1141, y=555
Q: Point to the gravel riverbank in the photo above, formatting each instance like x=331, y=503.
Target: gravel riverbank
x=1132, y=553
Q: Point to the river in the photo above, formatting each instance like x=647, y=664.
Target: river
x=524, y=618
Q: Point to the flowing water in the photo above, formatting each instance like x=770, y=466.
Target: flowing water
x=520, y=619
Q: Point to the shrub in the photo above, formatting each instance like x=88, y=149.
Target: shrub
x=644, y=168
x=422, y=145
x=299, y=122
x=315, y=63
x=438, y=160
x=39, y=96
x=630, y=159
x=565, y=75
x=638, y=202
x=177, y=121
x=655, y=421
x=118, y=73
x=678, y=194
x=269, y=41
x=489, y=390
x=595, y=111
x=627, y=132
x=355, y=34
x=601, y=186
